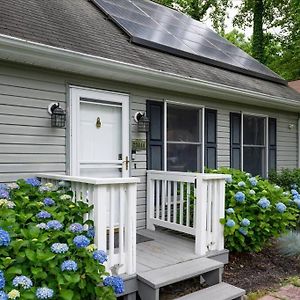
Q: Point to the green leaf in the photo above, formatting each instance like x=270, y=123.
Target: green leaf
x=66, y=294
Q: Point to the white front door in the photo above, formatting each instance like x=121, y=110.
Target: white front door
x=99, y=133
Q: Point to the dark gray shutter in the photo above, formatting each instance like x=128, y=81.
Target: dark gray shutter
x=272, y=144
x=155, y=113
x=235, y=140
x=210, y=154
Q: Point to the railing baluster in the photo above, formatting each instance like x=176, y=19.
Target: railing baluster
x=210, y=196
x=158, y=184
x=175, y=202
x=112, y=200
x=163, y=200
x=181, y=203
x=169, y=201
x=188, y=204
x=121, y=226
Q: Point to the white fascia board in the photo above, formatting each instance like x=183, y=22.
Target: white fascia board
x=23, y=51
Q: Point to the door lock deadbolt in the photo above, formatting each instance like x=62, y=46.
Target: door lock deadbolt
x=98, y=123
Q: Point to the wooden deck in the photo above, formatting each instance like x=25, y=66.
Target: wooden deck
x=165, y=249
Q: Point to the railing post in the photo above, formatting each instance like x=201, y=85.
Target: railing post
x=221, y=215
x=100, y=208
x=150, y=202
x=200, y=219
x=130, y=240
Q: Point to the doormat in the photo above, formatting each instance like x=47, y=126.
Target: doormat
x=139, y=239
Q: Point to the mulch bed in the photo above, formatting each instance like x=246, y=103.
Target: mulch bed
x=264, y=270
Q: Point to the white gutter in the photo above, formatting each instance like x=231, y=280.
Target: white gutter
x=23, y=51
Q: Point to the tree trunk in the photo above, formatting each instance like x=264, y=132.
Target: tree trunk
x=258, y=34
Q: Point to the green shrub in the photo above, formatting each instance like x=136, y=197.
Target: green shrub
x=286, y=178
x=43, y=237
x=256, y=211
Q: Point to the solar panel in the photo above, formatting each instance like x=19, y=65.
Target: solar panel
x=164, y=29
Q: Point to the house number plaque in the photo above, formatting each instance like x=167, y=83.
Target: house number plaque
x=98, y=123
x=139, y=145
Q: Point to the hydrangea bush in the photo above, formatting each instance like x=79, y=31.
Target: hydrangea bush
x=46, y=249
x=256, y=210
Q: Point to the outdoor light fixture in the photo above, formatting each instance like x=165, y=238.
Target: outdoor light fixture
x=58, y=115
x=142, y=121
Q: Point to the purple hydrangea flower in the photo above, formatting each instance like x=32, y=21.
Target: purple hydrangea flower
x=100, y=256
x=240, y=197
x=4, y=194
x=55, y=225
x=245, y=222
x=230, y=223
x=76, y=228
x=43, y=215
x=3, y=296
x=59, y=248
x=91, y=232
x=33, y=181
x=44, y=293
x=49, y=202
x=22, y=281
x=115, y=282
x=69, y=265
x=2, y=280
x=4, y=238
x=264, y=203
x=281, y=207
x=81, y=241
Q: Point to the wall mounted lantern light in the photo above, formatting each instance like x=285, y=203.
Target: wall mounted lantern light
x=142, y=121
x=58, y=115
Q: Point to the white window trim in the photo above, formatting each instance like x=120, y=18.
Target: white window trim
x=266, y=146
x=202, y=124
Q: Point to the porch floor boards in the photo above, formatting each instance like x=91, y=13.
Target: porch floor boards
x=165, y=249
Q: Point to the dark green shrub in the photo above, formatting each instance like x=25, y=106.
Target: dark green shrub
x=46, y=252
x=256, y=210
x=286, y=178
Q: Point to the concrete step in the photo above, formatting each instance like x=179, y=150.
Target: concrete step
x=221, y=291
x=150, y=282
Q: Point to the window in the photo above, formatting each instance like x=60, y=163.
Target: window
x=253, y=143
x=177, y=141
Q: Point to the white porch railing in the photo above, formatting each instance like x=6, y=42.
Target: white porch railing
x=114, y=215
x=191, y=203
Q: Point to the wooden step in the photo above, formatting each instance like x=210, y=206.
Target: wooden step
x=179, y=272
x=221, y=291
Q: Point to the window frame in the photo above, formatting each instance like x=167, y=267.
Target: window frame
x=266, y=139
x=201, y=109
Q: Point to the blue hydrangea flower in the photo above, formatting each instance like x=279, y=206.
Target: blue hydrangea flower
x=115, y=282
x=3, y=296
x=76, y=228
x=264, y=203
x=4, y=194
x=69, y=265
x=230, y=223
x=230, y=210
x=285, y=193
x=294, y=192
x=100, y=256
x=4, y=238
x=248, y=174
x=44, y=189
x=294, y=186
x=243, y=230
x=3, y=186
x=49, y=202
x=23, y=282
x=44, y=293
x=13, y=186
x=253, y=181
x=240, y=197
x=252, y=192
x=228, y=179
x=2, y=280
x=241, y=184
x=91, y=232
x=245, y=222
x=43, y=215
x=33, y=181
x=42, y=226
x=55, y=225
x=281, y=207
x=81, y=241
x=59, y=248
x=297, y=202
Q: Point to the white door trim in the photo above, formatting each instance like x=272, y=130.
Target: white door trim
x=76, y=93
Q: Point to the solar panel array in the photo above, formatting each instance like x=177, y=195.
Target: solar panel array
x=168, y=30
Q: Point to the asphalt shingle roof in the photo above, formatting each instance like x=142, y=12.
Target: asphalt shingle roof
x=79, y=25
